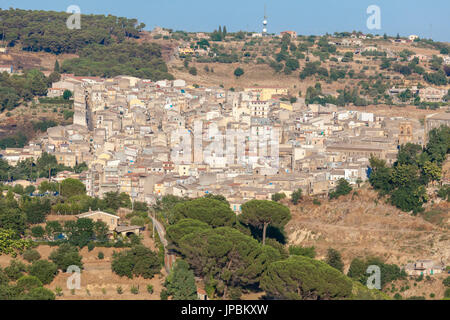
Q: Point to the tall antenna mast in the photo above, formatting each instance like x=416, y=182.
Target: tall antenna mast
x=264, y=33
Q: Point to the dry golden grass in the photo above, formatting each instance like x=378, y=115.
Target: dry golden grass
x=364, y=225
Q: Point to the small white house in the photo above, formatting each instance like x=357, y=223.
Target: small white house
x=6, y=68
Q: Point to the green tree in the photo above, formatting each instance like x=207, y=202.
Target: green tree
x=431, y=171
x=357, y=270
x=409, y=154
x=27, y=283
x=193, y=71
x=37, y=232
x=343, y=188
x=52, y=228
x=67, y=94
x=439, y=144
x=446, y=281
x=13, y=219
x=44, y=270
x=79, y=232
x=56, y=67
x=296, y=196
x=238, y=72
x=302, y=251
x=409, y=198
x=334, y=259
x=214, y=212
x=380, y=175
x=389, y=272
x=139, y=261
x=53, y=77
x=180, y=283
x=101, y=230
x=31, y=255
x=278, y=197
x=72, y=187
x=39, y=294
x=15, y=270
x=303, y=278
x=224, y=255
x=35, y=209
x=184, y=227
x=10, y=242
x=38, y=82
x=65, y=256
x=262, y=213
x=404, y=175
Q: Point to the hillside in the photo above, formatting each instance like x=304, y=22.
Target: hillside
x=281, y=62
x=363, y=225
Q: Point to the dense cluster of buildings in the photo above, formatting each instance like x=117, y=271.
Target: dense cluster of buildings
x=151, y=139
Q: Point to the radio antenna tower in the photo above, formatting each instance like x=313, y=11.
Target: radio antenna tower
x=264, y=33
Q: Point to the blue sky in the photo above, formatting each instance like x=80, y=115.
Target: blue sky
x=424, y=18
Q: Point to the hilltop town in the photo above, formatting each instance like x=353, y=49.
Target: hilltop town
x=124, y=130
x=176, y=154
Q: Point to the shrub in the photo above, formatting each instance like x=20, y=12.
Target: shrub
x=138, y=221
x=296, y=196
x=31, y=255
x=134, y=290
x=235, y=293
x=416, y=298
x=150, y=289
x=302, y=251
x=37, y=232
x=193, y=71
x=101, y=255
x=90, y=246
x=44, y=270
x=27, y=283
x=239, y=72
x=139, y=261
x=278, y=196
x=164, y=294
x=334, y=259
x=59, y=292
x=447, y=293
x=15, y=270
x=119, y=290
x=343, y=188
x=66, y=255
x=39, y=294
x=446, y=281
x=298, y=278
x=398, y=296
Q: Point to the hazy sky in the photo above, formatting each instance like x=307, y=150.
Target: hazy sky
x=425, y=18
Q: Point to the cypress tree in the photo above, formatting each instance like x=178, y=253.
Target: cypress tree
x=56, y=68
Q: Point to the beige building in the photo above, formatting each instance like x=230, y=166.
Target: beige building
x=111, y=220
x=436, y=121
